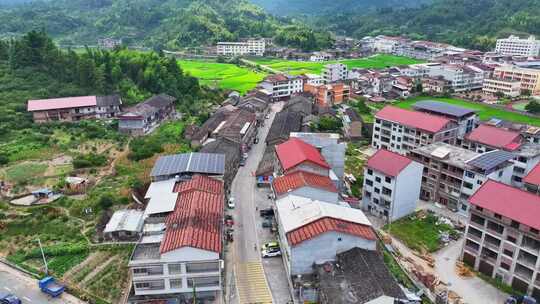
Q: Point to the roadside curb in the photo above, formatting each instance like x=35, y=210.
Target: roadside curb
x=20, y=269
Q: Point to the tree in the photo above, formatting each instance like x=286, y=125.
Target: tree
x=499, y=94
x=328, y=123
x=106, y=201
x=526, y=92
x=533, y=107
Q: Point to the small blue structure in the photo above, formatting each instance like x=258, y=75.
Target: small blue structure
x=49, y=286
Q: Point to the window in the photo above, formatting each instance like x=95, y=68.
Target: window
x=514, y=224
x=505, y=266
x=388, y=179
x=500, y=173
x=511, y=239
x=176, y=283
x=203, y=282
x=370, y=172
x=497, y=216
x=508, y=252
x=150, y=285
x=339, y=239
x=377, y=190
x=535, y=231
x=479, y=208
x=378, y=179
x=467, y=185
x=367, y=194
x=369, y=182
x=202, y=267
x=175, y=268
x=469, y=174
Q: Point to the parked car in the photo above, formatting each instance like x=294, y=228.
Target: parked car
x=267, y=116
x=242, y=162
x=270, y=245
x=230, y=203
x=520, y=300
x=270, y=253
x=256, y=140
x=7, y=298
x=267, y=223
x=267, y=212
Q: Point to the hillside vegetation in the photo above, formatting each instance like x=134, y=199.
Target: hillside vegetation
x=473, y=24
x=157, y=24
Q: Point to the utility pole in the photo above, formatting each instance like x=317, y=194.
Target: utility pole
x=43, y=256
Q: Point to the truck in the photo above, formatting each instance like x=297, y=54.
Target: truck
x=49, y=286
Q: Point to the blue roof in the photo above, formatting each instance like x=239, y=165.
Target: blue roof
x=205, y=163
x=491, y=160
x=442, y=108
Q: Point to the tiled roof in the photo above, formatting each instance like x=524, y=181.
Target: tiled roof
x=326, y=224
x=534, y=176
x=195, y=222
x=295, y=151
x=516, y=204
x=200, y=183
x=495, y=137
x=62, y=103
x=301, y=179
x=418, y=120
x=387, y=162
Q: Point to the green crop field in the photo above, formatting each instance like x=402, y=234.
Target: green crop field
x=300, y=67
x=485, y=112
x=223, y=75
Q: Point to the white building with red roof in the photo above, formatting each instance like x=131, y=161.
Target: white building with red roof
x=306, y=184
x=312, y=231
x=74, y=108
x=401, y=130
x=391, y=185
x=297, y=155
x=502, y=239
x=187, y=254
x=283, y=86
x=532, y=180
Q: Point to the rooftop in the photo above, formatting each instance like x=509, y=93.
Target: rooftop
x=303, y=218
x=442, y=108
x=206, y=163
x=387, y=162
x=284, y=123
x=414, y=119
x=518, y=205
x=161, y=197
x=295, y=151
x=495, y=137
x=61, y=103
x=200, y=183
x=534, y=176
x=491, y=160
x=357, y=276
x=446, y=153
x=146, y=252
x=125, y=220
x=299, y=179
x=317, y=140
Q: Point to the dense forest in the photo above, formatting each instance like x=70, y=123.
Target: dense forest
x=158, y=24
x=473, y=24
x=33, y=67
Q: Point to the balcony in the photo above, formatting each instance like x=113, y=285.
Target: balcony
x=527, y=259
x=492, y=242
x=523, y=272
x=530, y=244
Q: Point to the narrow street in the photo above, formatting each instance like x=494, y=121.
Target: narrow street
x=26, y=288
x=248, y=276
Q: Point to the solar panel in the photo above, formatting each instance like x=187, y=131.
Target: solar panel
x=443, y=108
x=189, y=162
x=490, y=160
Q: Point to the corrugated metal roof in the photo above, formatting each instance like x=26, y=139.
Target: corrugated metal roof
x=442, y=108
x=206, y=163
x=125, y=220
x=61, y=103
x=162, y=198
x=490, y=160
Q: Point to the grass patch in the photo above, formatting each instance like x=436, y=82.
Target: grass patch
x=485, y=112
x=301, y=67
x=419, y=231
x=223, y=75
x=25, y=172
x=520, y=106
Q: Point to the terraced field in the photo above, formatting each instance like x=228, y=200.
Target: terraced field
x=223, y=75
x=300, y=67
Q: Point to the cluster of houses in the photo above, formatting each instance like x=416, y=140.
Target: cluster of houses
x=489, y=171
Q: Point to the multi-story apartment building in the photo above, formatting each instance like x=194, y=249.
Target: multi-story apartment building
x=334, y=72
x=502, y=239
x=465, y=118
x=400, y=130
x=387, y=44
x=532, y=180
x=74, y=108
x=425, y=50
x=515, y=46
x=282, y=86
x=435, y=84
x=186, y=257
x=146, y=116
x=452, y=174
x=391, y=185
x=489, y=138
x=529, y=78
x=255, y=47
x=327, y=95
x=461, y=77
x=510, y=88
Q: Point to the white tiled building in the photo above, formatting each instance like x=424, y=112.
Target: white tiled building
x=255, y=47
x=510, y=88
x=391, y=185
x=515, y=46
x=283, y=86
x=334, y=72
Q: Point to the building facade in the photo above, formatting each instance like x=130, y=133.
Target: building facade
x=515, y=46
x=282, y=86
x=510, y=88
x=391, y=185
x=504, y=243
x=327, y=95
x=73, y=109
x=334, y=72
x=529, y=78
x=255, y=47
x=145, y=117
x=400, y=130
x=466, y=119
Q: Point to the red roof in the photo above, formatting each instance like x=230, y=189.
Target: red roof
x=301, y=179
x=61, y=103
x=496, y=137
x=516, y=204
x=387, y=162
x=195, y=222
x=534, y=176
x=326, y=224
x=414, y=119
x=295, y=151
x=202, y=183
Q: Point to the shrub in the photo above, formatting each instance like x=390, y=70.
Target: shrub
x=106, y=201
x=3, y=159
x=89, y=160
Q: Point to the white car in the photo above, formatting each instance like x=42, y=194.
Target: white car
x=230, y=203
x=271, y=252
x=267, y=116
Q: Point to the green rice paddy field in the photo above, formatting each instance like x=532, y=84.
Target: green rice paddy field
x=300, y=67
x=223, y=75
x=485, y=112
